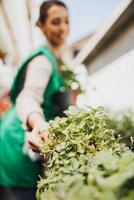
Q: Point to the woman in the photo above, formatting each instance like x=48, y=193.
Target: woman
x=35, y=89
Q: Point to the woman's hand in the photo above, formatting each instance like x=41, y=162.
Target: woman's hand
x=37, y=135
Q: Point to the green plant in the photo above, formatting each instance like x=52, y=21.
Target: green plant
x=70, y=79
x=123, y=124
x=84, y=160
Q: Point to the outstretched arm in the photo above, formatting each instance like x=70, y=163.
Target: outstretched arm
x=29, y=101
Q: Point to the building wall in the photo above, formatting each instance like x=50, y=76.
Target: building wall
x=71, y=52
x=123, y=43
x=113, y=85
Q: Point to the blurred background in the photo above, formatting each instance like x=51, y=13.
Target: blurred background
x=100, y=48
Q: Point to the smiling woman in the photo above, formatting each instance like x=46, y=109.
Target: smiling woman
x=56, y=27
x=38, y=81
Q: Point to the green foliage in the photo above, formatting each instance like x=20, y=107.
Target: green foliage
x=123, y=124
x=70, y=79
x=84, y=161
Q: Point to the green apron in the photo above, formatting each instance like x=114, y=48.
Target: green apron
x=16, y=169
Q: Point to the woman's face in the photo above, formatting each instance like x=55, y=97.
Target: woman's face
x=56, y=26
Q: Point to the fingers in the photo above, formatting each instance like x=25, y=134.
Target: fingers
x=35, y=138
x=43, y=136
x=33, y=147
x=34, y=141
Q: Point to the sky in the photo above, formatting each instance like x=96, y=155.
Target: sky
x=87, y=16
